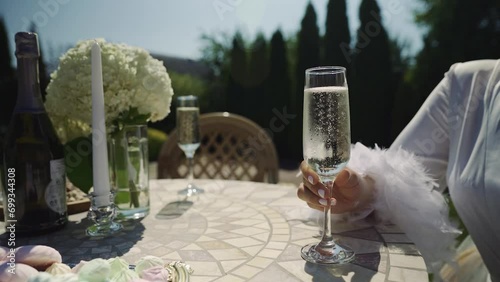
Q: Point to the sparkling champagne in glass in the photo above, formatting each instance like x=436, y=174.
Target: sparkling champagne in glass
x=188, y=132
x=327, y=146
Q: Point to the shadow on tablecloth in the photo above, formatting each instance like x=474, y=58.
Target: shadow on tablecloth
x=75, y=246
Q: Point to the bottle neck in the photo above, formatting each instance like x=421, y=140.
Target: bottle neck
x=29, y=97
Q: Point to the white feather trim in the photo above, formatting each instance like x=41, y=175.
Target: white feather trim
x=405, y=196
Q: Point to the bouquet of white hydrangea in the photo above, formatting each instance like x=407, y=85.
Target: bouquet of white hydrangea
x=137, y=88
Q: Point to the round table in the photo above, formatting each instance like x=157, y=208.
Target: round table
x=242, y=231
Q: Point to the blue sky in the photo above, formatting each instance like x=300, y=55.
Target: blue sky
x=174, y=27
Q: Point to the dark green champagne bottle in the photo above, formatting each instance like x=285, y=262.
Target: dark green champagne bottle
x=34, y=172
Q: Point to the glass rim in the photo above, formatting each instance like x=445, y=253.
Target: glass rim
x=187, y=98
x=326, y=70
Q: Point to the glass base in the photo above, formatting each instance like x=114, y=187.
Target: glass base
x=191, y=190
x=331, y=254
x=131, y=214
x=97, y=230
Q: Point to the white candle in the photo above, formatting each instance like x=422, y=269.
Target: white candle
x=99, y=142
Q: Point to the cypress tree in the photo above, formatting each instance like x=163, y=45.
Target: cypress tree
x=372, y=94
x=279, y=93
x=458, y=31
x=237, y=77
x=337, y=35
x=308, y=54
x=406, y=102
x=258, y=78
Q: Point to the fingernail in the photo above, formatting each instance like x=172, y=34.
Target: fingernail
x=333, y=202
x=310, y=179
x=321, y=193
x=322, y=202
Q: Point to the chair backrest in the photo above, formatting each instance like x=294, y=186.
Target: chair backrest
x=232, y=147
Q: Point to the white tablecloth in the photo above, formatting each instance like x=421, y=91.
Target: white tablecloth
x=242, y=231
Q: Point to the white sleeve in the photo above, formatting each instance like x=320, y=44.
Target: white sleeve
x=406, y=175
x=427, y=134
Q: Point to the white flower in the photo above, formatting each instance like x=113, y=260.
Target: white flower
x=135, y=86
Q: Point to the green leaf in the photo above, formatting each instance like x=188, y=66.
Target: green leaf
x=156, y=138
x=455, y=217
x=78, y=161
x=130, y=117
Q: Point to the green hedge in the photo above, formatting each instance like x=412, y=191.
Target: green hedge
x=156, y=138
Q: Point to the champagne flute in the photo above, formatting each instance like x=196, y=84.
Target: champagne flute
x=327, y=148
x=188, y=132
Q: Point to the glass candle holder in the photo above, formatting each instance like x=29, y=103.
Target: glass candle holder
x=102, y=212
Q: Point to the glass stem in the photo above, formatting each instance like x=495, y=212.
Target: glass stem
x=327, y=238
x=190, y=161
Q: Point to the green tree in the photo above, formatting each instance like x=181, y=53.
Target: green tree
x=257, y=84
x=337, y=36
x=308, y=55
x=42, y=68
x=279, y=93
x=458, y=30
x=216, y=52
x=237, y=80
x=372, y=94
x=406, y=100
x=184, y=84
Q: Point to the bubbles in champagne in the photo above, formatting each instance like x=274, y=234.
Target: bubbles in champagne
x=326, y=128
x=187, y=125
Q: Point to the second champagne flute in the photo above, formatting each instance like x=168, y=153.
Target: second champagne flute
x=188, y=132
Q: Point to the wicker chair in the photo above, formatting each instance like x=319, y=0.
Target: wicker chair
x=232, y=147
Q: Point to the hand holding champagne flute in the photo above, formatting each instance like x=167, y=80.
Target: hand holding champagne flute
x=327, y=143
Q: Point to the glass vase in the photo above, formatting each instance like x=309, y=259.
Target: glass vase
x=129, y=169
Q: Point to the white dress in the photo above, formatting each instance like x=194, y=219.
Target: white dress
x=456, y=139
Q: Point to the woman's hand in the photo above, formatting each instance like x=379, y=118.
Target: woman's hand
x=351, y=192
